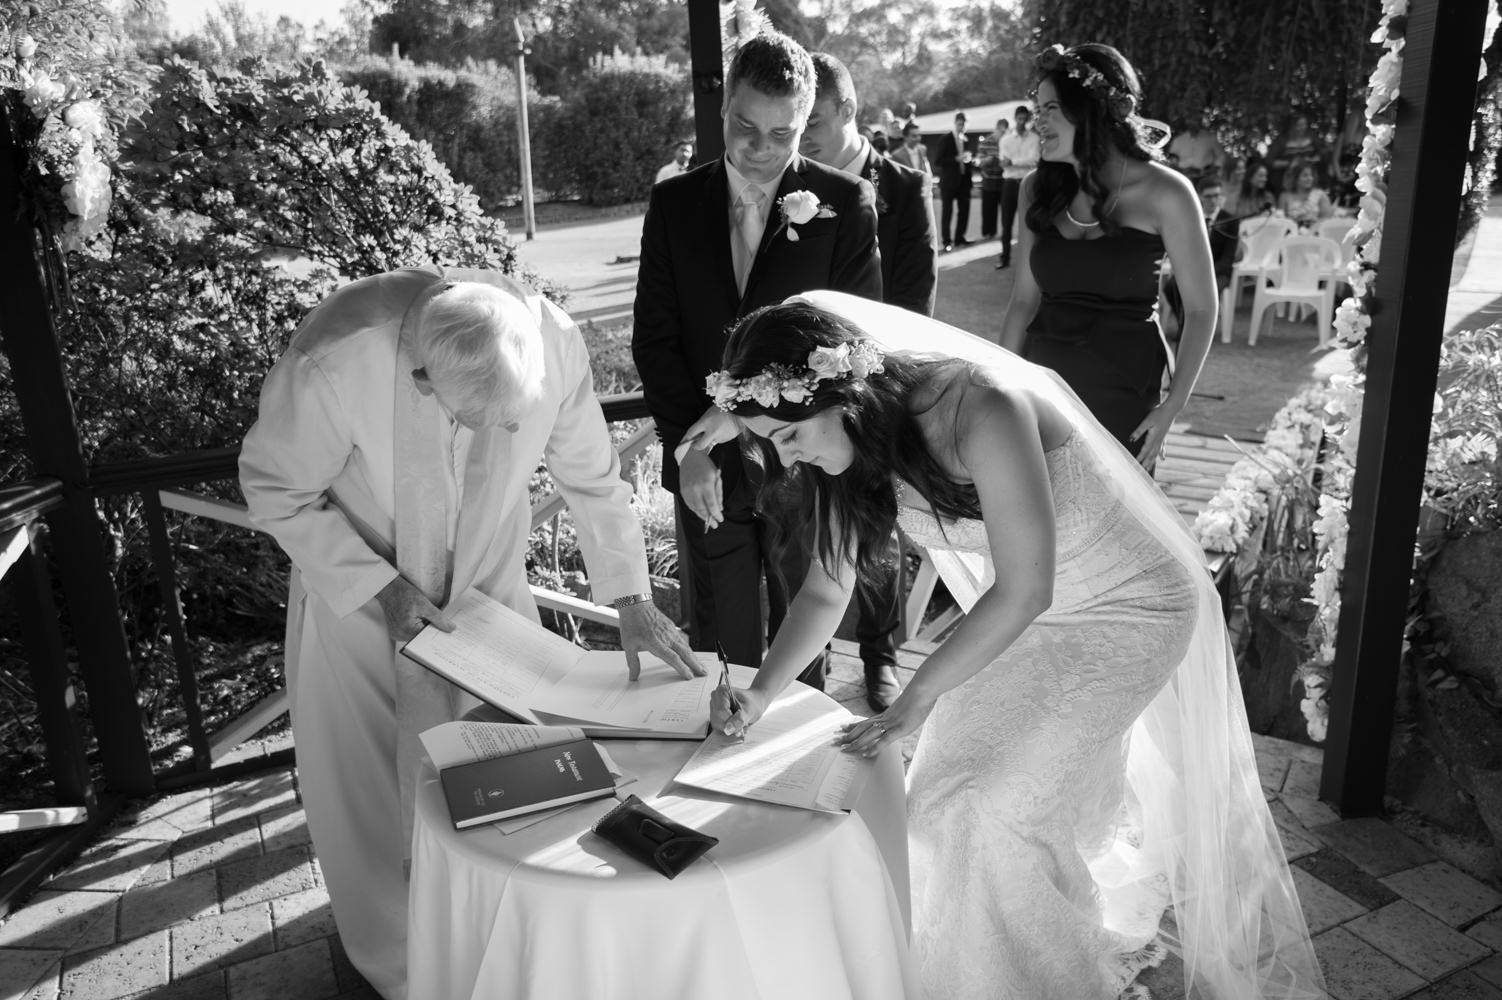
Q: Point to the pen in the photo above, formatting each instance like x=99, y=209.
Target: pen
x=735, y=706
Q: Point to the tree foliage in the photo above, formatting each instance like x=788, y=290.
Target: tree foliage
x=1245, y=66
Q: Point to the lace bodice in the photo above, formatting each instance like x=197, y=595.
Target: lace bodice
x=1095, y=550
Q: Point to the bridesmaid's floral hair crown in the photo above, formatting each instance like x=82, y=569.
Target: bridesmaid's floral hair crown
x=775, y=383
x=1117, y=99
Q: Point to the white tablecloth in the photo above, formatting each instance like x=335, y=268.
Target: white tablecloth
x=790, y=904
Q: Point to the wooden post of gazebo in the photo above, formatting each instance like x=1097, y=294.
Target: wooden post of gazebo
x=708, y=73
x=77, y=534
x=1437, y=98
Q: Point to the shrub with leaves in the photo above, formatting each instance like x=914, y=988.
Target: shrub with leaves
x=616, y=127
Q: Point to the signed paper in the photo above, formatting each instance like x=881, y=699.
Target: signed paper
x=788, y=757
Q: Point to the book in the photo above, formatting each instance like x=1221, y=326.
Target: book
x=511, y=662
x=497, y=788
x=453, y=743
x=787, y=757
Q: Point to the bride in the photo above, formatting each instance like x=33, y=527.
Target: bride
x=1084, y=790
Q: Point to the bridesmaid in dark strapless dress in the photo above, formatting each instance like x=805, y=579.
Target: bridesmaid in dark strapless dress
x=1097, y=323
x=1102, y=216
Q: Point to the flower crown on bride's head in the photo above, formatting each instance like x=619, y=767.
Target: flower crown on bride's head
x=1118, y=100
x=774, y=383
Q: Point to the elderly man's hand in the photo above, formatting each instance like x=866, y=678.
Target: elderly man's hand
x=644, y=628
x=408, y=609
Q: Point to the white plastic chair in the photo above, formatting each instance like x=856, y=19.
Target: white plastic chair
x=1304, y=273
x=1259, y=240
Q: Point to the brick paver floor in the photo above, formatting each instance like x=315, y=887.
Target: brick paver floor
x=215, y=894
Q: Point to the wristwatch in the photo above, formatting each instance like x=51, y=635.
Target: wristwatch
x=630, y=599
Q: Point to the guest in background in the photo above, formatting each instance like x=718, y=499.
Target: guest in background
x=1195, y=150
x=904, y=235
x=1256, y=196
x=953, y=168
x=682, y=154
x=1302, y=199
x=1225, y=242
x=1297, y=142
x=991, y=175
x=909, y=115
x=912, y=153
x=879, y=142
x=1232, y=176
x=1019, y=155
x=890, y=126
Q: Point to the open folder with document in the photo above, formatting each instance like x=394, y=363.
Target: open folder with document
x=513, y=663
x=788, y=757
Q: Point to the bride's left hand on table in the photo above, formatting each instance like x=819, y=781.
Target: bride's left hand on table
x=867, y=736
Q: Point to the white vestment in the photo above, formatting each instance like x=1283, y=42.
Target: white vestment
x=318, y=474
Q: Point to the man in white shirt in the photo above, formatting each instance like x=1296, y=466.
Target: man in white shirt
x=682, y=154
x=390, y=460
x=1018, y=152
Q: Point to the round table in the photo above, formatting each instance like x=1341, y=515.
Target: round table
x=790, y=903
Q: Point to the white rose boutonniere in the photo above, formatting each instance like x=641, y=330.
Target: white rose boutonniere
x=799, y=207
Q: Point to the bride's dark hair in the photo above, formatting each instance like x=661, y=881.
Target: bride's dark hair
x=1104, y=114
x=876, y=414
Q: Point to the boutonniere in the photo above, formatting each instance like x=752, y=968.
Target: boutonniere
x=798, y=207
x=873, y=176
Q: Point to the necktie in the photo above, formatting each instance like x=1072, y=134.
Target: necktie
x=749, y=223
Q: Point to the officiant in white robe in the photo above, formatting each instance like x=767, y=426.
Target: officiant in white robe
x=395, y=477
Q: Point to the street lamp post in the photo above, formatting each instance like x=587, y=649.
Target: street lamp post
x=524, y=134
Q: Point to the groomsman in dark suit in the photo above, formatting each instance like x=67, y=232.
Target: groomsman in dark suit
x=953, y=164
x=717, y=243
x=904, y=233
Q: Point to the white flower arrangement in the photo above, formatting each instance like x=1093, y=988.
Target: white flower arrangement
x=857, y=359
x=72, y=130
x=1241, y=504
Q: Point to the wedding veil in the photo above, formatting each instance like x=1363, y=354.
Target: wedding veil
x=1191, y=771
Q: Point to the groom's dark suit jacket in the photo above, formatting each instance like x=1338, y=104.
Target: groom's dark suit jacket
x=905, y=233
x=686, y=297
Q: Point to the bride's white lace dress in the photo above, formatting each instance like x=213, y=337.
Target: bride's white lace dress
x=1099, y=777
x=1016, y=784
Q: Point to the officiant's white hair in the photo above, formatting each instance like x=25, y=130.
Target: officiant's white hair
x=484, y=346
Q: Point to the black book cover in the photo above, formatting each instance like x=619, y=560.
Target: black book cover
x=501, y=787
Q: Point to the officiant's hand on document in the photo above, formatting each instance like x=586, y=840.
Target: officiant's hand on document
x=646, y=629
x=407, y=610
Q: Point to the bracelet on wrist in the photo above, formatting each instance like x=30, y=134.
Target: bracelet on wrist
x=631, y=600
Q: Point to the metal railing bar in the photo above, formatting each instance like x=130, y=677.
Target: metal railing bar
x=554, y=504
x=184, y=775
x=165, y=564
x=212, y=508
x=25, y=502
x=568, y=604
x=43, y=818
x=141, y=474
x=37, y=865
x=248, y=723
x=12, y=547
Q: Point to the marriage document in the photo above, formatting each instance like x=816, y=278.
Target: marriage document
x=788, y=757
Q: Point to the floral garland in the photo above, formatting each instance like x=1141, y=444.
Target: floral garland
x=1352, y=321
x=74, y=142
x=1288, y=451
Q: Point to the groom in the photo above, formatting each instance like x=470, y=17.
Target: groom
x=747, y=230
